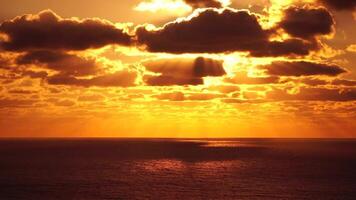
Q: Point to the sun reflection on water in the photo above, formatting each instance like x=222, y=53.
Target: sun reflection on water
x=162, y=165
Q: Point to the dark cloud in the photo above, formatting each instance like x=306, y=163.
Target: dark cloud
x=17, y=103
x=188, y=67
x=213, y=31
x=340, y=4
x=35, y=74
x=204, y=67
x=204, y=3
x=210, y=31
x=60, y=61
x=301, y=68
x=21, y=91
x=47, y=30
x=183, y=71
x=289, y=47
x=344, y=82
x=311, y=81
x=6, y=61
x=118, y=79
x=313, y=94
x=307, y=22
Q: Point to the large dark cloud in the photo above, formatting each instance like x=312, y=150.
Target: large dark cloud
x=213, y=31
x=210, y=31
x=307, y=23
x=60, y=61
x=301, y=68
x=47, y=30
x=204, y=3
x=182, y=71
x=340, y=4
x=118, y=79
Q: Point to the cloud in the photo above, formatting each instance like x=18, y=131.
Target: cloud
x=60, y=61
x=21, y=91
x=311, y=81
x=210, y=31
x=182, y=71
x=89, y=98
x=17, y=103
x=340, y=4
x=301, y=68
x=48, y=31
x=118, y=79
x=172, y=96
x=307, y=23
x=164, y=80
x=225, y=89
x=251, y=95
x=313, y=94
x=314, y=81
x=204, y=96
x=243, y=79
x=288, y=47
x=62, y=102
x=344, y=82
x=189, y=67
x=219, y=31
x=35, y=74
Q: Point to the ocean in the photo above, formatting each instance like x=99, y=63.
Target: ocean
x=177, y=169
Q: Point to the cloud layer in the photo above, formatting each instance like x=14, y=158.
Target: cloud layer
x=302, y=68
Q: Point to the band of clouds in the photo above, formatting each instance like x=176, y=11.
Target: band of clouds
x=45, y=38
x=206, y=31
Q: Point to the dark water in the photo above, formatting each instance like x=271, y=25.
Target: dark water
x=177, y=169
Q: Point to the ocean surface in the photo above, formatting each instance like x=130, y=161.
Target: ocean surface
x=177, y=169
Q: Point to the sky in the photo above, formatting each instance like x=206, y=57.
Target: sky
x=178, y=68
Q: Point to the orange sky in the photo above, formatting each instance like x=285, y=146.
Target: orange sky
x=178, y=68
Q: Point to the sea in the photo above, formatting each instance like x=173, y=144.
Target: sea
x=86, y=169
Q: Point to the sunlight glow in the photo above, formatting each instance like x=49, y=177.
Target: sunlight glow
x=177, y=6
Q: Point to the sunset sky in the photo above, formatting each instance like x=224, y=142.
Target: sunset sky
x=178, y=68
